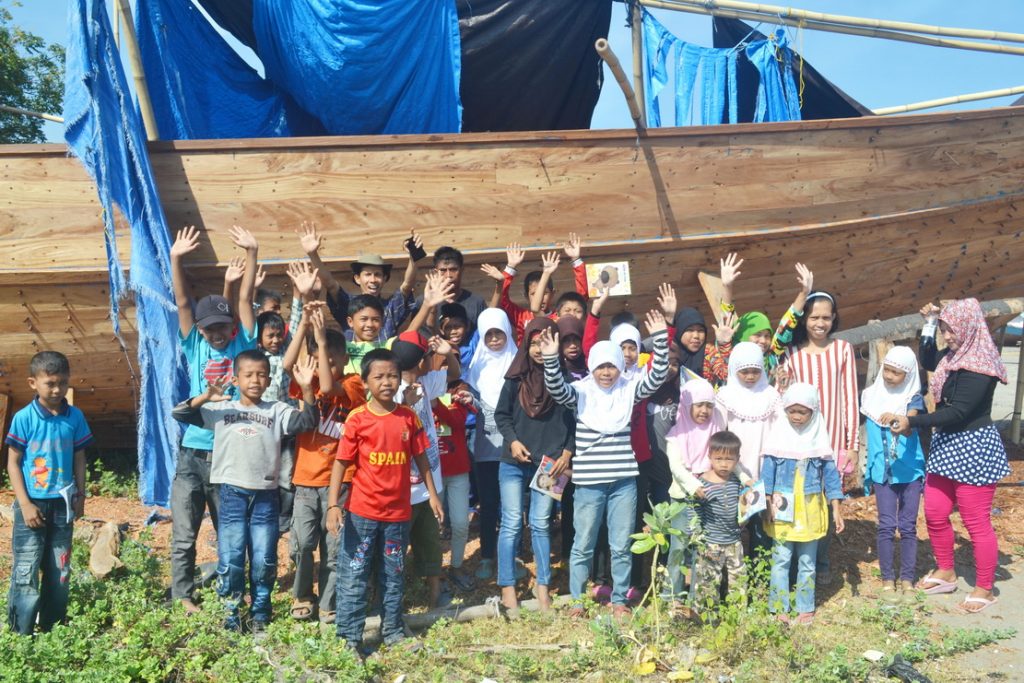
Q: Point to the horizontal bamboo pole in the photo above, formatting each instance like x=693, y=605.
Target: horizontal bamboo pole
x=906, y=326
x=866, y=22
x=36, y=114
x=956, y=99
x=714, y=11
x=606, y=53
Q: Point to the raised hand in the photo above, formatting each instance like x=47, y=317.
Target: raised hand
x=655, y=321
x=438, y=290
x=600, y=300
x=303, y=371
x=417, y=241
x=303, y=276
x=805, y=277
x=186, y=242
x=548, y=342
x=309, y=238
x=261, y=275
x=514, y=254
x=217, y=392
x=242, y=238
x=730, y=269
x=492, y=272
x=235, y=270
x=667, y=300
x=439, y=345
x=572, y=247
x=316, y=319
x=550, y=261
x=411, y=394
x=726, y=330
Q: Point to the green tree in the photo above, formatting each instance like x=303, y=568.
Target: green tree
x=31, y=77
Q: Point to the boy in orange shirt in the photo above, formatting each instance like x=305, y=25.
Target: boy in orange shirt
x=337, y=394
x=381, y=439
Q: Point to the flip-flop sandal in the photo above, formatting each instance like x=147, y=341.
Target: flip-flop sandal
x=938, y=586
x=973, y=600
x=301, y=610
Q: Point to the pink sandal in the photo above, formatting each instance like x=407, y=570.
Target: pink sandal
x=936, y=585
x=974, y=600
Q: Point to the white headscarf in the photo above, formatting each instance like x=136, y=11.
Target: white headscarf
x=755, y=403
x=607, y=411
x=486, y=371
x=879, y=398
x=810, y=441
x=624, y=332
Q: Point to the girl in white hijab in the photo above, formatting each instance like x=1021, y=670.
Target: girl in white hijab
x=800, y=480
x=748, y=404
x=895, y=464
x=627, y=338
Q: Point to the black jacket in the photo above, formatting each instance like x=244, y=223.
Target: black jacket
x=966, y=396
x=548, y=434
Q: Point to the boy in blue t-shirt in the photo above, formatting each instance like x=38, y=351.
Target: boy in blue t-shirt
x=47, y=470
x=209, y=347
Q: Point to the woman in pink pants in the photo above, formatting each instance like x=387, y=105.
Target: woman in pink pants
x=967, y=457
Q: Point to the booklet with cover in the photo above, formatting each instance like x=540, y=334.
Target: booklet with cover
x=752, y=501
x=544, y=482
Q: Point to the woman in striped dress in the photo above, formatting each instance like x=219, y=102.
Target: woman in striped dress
x=830, y=366
x=604, y=467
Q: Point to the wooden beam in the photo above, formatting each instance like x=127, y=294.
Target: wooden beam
x=906, y=326
x=5, y=422
x=637, y=34
x=635, y=107
x=956, y=99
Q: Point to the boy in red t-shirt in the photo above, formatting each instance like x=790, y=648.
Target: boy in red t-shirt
x=337, y=394
x=381, y=439
x=450, y=423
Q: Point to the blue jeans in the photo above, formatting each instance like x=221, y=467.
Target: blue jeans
x=487, y=489
x=614, y=502
x=47, y=548
x=680, y=554
x=248, y=522
x=362, y=541
x=513, y=481
x=782, y=556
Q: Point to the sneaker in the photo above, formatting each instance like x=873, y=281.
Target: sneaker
x=601, y=593
x=485, y=570
x=634, y=596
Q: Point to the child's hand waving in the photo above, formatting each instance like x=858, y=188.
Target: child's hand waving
x=439, y=345
x=492, y=272
x=725, y=331
x=303, y=371
x=303, y=276
x=667, y=300
x=572, y=247
x=730, y=269
x=261, y=275
x=514, y=255
x=655, y=322
x=438, y=290
x=548, y=341
x=242, y=238
x=186, y=242
x=235, y=270
x=316, y=319
x=216, y=392
x=550, y=261
x=805, y=277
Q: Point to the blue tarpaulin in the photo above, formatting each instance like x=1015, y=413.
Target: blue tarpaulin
x=103, y=129
x=200, y=87
x=365, y=66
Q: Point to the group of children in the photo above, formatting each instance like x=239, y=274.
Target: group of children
x=362, y=440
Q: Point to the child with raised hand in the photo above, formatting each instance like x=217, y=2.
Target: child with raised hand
x=46, y=462
x=718, y=510
x=336, y=395
x=369, y=274
x=801, y=482
x=895, y=463
x=486, y=376
x=829, y=365
x=450, y=416
x=246, y=466
x=755, y=326
x=686, y=447
x=538, y=287
x=381, y=441
x=205, y=338
x=604, y=466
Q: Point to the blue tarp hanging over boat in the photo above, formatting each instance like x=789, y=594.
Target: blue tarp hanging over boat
x=104, y=131
x=200, y=87
x=387, y=66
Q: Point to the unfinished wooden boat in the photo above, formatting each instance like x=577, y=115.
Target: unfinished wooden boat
x=887, y=212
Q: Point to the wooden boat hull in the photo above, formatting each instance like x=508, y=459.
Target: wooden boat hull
x=887, y=212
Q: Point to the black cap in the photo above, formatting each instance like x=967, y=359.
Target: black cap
x=213, y=310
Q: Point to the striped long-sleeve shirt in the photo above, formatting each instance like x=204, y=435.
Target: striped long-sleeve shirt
x=834, y=373
x=604, y=458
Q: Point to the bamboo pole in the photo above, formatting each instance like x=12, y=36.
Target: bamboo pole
x=605, y=50
x=36, y=114
x=956, y=99
x=1018, y=398
x=117, y=24
x=715, y=11
x=906, y=326
x=638, y=61
x=135, y=59
x=865, y=22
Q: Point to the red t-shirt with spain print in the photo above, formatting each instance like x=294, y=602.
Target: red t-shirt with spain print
x=382, y=447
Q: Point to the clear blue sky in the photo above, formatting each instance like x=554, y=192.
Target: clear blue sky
x=876, y=72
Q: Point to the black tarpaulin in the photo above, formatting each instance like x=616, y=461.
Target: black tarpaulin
x=821, y=98
x=526, y=64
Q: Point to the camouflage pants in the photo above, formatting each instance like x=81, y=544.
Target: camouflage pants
x=707, y=572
